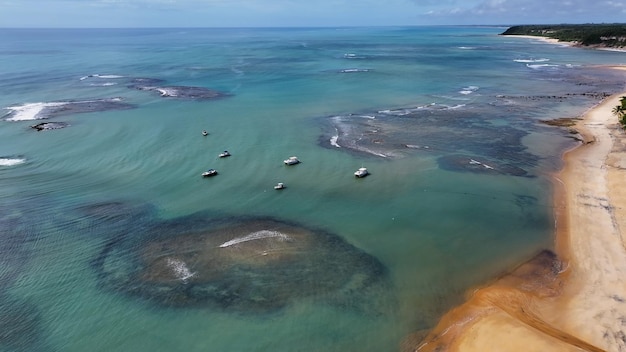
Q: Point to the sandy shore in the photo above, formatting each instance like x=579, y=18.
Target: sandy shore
x=542, y=39
x=556, y=41
x=574, y=300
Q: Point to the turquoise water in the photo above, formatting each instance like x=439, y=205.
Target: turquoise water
x=93, y=215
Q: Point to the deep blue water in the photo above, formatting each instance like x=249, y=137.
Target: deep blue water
x=110, y=240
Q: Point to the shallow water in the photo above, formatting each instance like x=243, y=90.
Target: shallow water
x=446, y=119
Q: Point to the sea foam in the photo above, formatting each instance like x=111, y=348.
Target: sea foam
x=101, y=76
x=255, y=236
x=531, y=60
x=11, y=161
x=181, y=271
x=540, y=66
x=468, y=90
x=30, y=111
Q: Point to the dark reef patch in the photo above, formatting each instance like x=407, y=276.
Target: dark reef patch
x=181, y=92
x=85, y=106
x=464, y=163
x=241, y=265
x=461, y=134
x=19, y=326
x=46, y=126
x=485, y=125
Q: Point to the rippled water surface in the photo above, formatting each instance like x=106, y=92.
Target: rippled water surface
x=111, y=240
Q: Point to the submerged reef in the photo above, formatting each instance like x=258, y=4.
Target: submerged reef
x=20, y=326
x=46, y=126
x=181, y=92
x=465, y=140
x=37, y=111
x=242, y=265
x=478, y=130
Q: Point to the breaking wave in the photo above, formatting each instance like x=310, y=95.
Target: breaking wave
x=181, y=271
x=531, y=60
x=8, y=161
x=256, y=236
x=44, y=110
x=101, y=76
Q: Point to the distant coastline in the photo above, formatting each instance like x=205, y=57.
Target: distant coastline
x=595, y=36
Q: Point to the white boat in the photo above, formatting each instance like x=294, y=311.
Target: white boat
x=361, y=172
x=209, y=172
x=205, y=133
x=279, y=185
x=224, y=154
x=292, y=160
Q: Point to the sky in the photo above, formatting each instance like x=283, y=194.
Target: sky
x=303, y=13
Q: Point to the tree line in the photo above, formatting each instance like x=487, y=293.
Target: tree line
x=620, y=112
x=609, y=35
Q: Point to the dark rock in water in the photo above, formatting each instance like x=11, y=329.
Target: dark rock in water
x=182, y=92
x=44, y=126
x=84, y=106
x=241, y=265
x=465, y=163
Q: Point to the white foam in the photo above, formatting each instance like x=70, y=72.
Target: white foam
x=106, y=84
x=474, y=162
x=531, y=60
x=333, y=141
x=101, y=76
x=255, y=236
x=11, y=161
x=165, y=92
x=30, y=111
x=539, y=66
x=352, y=70
x=468, y=90
x=181, y=271
x=108, y=76
x=467, y=47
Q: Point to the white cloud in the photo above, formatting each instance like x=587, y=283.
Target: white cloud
x=531, y=11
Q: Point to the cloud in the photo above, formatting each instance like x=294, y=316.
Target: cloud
x=531, y=11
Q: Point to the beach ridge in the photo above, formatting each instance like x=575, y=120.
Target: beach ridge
x=574, y=299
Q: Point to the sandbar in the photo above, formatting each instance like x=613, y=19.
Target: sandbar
x=571, y=300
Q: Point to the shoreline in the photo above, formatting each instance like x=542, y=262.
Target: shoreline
x=574, y=299
x=565, y=44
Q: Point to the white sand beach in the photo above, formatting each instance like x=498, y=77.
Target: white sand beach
x=576, y=300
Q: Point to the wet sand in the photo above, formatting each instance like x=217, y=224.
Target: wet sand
x=564, y=43
x=542, y=39
x=571, y=300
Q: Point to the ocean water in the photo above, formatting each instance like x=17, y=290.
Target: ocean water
x=112, y=241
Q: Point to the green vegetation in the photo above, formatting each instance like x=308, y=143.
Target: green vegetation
x=605, y=35
x=620, y=112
